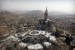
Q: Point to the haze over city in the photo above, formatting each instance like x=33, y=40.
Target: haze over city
x=66, y=6
x=37, y=25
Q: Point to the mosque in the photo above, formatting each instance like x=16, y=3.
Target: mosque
x=38, y=39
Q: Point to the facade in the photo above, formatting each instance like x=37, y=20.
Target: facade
x=44, y=23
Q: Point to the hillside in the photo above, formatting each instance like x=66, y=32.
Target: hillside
x=14, y=19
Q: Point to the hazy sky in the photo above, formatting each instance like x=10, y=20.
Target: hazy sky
x=66, y=6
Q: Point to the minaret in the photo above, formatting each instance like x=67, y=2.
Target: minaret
x=45, y=14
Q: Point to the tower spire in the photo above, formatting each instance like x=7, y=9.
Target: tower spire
x=46, y=8
x=46, y=14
